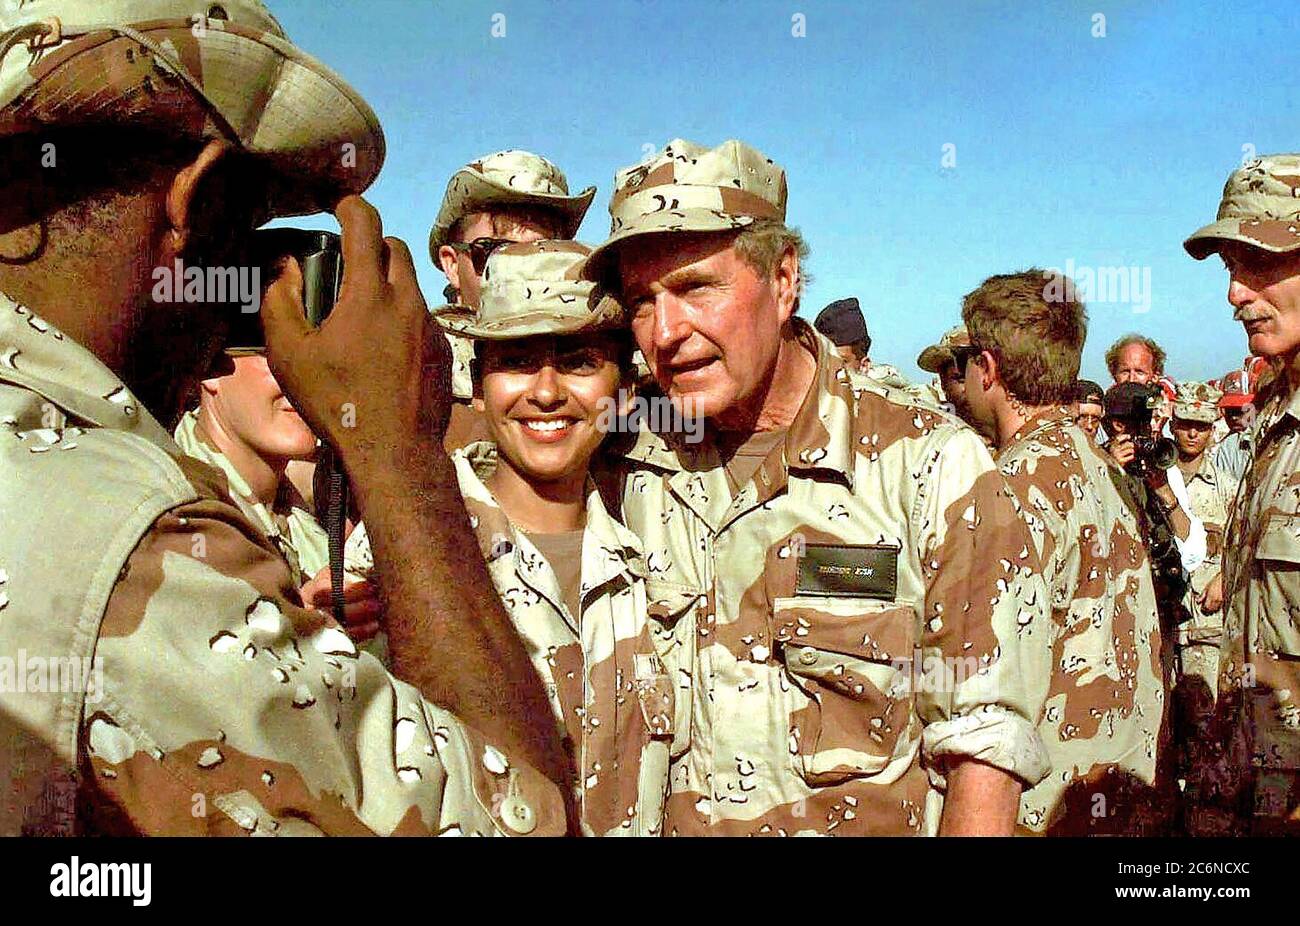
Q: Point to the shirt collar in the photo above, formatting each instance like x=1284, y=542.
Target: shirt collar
x=38, y=357
x=608, y=546
x=819, y=437
x=1053, y=419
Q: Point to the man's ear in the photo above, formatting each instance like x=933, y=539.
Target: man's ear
x=989, y=373
x=786, y=279
x=183, y=206
x=448, y=260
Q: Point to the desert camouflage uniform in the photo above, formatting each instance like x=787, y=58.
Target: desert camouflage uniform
x=609, y=688
x=220, y=704
x=289, y=525
x=1211, y=492
x=812, y=712
x=1259, y=675
x=1106, y=704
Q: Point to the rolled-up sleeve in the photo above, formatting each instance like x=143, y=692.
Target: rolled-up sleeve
x=226, y=707
x=985, y=638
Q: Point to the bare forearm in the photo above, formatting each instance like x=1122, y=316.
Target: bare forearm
x=1178, y=519
x=981, y=801
x=448, y=633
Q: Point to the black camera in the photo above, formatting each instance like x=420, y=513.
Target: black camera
x=318, y=254
x=1134, y=404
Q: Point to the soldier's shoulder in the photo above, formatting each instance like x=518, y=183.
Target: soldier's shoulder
x=884, y=416
x=91, y=468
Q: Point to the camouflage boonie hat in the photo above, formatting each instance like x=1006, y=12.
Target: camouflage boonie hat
x=935, y=356
x=690, y=188
x=196, y=69
x=1197, y=402
x=1260, y=207
x=534, y=289
x=508, y=178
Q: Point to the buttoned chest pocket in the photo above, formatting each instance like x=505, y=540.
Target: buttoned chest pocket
x=673, y=617
x=1280, y=540
x=852, y=658
x=1278, y=551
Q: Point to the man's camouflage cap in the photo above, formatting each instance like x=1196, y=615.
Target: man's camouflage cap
x=690, y=188
x=1197, y=402
x=534, y=289
x=935, y=356
x=842, y=322
x=1260, y=207
x=508, y=178
x=191, y=68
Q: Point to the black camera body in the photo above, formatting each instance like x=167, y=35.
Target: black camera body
x=1135, y=404
x=320, y=256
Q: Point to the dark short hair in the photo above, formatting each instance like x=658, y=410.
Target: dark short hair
x=1085, y=390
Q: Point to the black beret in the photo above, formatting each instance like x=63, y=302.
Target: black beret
x=842, y=322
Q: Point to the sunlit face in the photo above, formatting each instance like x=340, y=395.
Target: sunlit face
x=249, y=406
x=1264, y=291
x=543, y=399
x=1191, y=437
x=708, y=324
x=849, y=354
x=1135, y=365
x=1088, y=416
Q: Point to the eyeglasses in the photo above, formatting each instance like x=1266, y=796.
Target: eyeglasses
x=479, y=250
x=963, y=355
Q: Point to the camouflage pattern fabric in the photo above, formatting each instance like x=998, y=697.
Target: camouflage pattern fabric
x=607, y=670
x=289, y=524
x=534, y=289
x=1211, y=493
x=1195, y=401
x=508, y=178
x=220, y=705
x=616, y=678
x=687, y=187
x=1260, y=207
x=184, y=72
x=1106, y=703
x=816, y=711
x=936, y=355
x=1257, y=773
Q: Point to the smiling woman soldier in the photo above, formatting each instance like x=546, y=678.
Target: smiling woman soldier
x=551, y=354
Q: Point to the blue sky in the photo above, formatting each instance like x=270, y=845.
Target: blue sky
x=1104, y=151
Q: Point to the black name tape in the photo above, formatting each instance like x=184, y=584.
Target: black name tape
x=869, y=571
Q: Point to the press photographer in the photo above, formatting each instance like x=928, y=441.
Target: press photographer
x=1175, y=538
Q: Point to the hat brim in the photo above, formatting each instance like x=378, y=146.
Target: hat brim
x=481, y=193
x=934, y=357
x=1206, y=416
x=1276, y=236
x=315, y=135
x=600, y=264
x=1236, y=401
x=606, y=316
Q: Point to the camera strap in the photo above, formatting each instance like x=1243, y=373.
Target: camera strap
x=336, y=515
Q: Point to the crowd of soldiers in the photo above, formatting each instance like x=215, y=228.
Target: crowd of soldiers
x=841, y=604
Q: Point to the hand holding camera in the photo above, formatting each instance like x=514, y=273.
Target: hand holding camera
x=374, y=379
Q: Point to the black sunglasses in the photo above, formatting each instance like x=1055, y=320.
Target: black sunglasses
x=963, y=355
x=479, y=250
